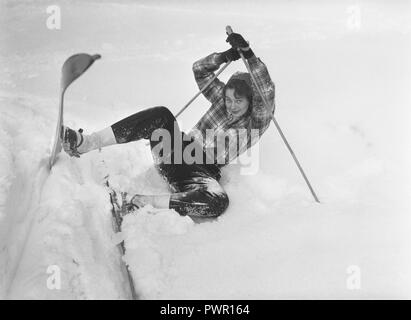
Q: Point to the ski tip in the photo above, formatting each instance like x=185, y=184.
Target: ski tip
x=96, y=57
x=50, y=163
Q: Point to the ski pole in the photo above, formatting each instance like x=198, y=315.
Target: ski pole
x=205, y=87
x=199, y=92
x=229, y=30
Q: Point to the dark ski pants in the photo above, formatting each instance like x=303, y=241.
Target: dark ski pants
x=197, y=192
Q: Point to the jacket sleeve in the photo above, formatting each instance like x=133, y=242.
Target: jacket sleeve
x=261, y=115
x=204, y=71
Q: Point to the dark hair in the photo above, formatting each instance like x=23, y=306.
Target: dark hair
x=241, y=88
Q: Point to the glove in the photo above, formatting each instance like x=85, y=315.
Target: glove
x=237, y=41
x=230, y=55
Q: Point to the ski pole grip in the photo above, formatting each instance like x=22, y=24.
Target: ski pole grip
x=228, y=30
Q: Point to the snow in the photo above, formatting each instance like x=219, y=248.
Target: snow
x=342, y=96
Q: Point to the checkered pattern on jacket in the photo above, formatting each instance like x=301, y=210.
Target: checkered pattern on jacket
x=217, y=117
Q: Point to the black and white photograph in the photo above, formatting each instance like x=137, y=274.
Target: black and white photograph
x=205, y=151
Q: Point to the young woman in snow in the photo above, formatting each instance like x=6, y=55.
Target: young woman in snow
x=235, y=106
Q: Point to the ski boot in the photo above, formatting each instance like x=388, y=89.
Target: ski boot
x=127, y=205
x=71, y=141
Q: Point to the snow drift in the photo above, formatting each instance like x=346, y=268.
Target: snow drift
x=342, y=101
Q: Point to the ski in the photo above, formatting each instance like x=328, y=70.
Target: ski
x=73, y=68
x=118, y=212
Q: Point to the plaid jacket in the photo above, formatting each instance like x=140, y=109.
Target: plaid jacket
x=239, y=132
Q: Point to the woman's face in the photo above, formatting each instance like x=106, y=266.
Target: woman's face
x=236, y=106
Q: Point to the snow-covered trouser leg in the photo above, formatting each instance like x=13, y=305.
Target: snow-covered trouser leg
x=199, y=196
x=197, y=190
x=142, y=124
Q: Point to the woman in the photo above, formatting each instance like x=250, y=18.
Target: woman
x=236, y=107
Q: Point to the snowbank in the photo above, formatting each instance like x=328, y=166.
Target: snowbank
x=342, y=101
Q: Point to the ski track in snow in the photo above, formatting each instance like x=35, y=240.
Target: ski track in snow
x=60, y=218
x=344, y=111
